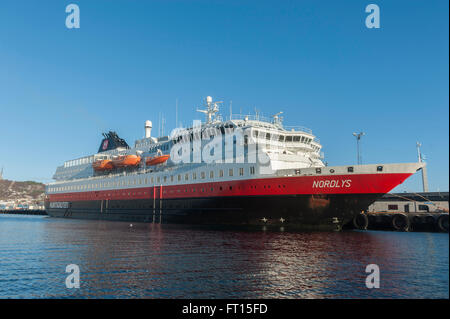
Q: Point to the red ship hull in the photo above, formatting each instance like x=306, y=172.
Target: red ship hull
x=319, y=202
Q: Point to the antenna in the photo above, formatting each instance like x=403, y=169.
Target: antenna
x=231, y=109
x=159, y=123
x=277, y=119
x=163, y=121
x=176, y=113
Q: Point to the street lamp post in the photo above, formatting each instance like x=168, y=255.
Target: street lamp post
x=358, y=152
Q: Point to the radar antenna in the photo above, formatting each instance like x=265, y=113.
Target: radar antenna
x=277, y=119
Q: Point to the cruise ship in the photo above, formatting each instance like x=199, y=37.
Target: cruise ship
x=245, y=170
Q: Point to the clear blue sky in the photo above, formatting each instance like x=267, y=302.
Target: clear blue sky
x=314, y=60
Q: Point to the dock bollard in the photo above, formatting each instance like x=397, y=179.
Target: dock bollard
x=401, y=222
x=361, y=221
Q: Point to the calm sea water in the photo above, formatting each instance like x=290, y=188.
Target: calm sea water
x=169, y=261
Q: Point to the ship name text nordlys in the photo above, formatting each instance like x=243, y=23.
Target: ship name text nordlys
x=336, y=183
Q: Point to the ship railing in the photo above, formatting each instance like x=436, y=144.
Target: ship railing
x=260, y=118
x=249, y=117
x=297, y=128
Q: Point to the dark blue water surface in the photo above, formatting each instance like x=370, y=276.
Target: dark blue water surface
x=169, y=261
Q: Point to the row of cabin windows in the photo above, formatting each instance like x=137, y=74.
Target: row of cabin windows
x=80, y=161
x=421, y=207
x=212, y=189
x=163, y=147
x=146, y=180
x=283, y=138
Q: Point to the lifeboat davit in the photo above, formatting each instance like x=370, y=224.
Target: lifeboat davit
x=126, y=161
x=102, y=165
x=150, y=161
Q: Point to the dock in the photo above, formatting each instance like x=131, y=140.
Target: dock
x=429, y=222
x=23, y=211
x=426, y=211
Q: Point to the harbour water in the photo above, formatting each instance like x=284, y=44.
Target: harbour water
x=117, y=260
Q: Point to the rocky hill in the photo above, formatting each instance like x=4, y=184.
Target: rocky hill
x=12, y=191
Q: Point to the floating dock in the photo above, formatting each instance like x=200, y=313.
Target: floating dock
x=406, y=212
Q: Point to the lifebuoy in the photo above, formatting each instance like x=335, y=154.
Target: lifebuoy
x=361, y=221
x=401, y=222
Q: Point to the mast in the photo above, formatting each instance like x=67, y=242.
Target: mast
x=211, y=109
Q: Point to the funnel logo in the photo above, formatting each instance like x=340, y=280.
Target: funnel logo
x=105, y=144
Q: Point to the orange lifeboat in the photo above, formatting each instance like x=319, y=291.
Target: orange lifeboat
x=150, y=161
x=102, y=165
x=126, y=161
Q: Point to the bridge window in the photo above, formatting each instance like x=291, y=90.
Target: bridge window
x=230, y=172
x=186, y=177
x=211, y=174
x=288, y=138
x=241, y=171
x=221, y=173
x=203, y=175
x=296, y=138
x=252, y=170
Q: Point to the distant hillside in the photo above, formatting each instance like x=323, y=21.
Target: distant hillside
x=12, y=191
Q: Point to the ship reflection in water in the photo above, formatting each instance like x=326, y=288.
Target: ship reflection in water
x=117, y=260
